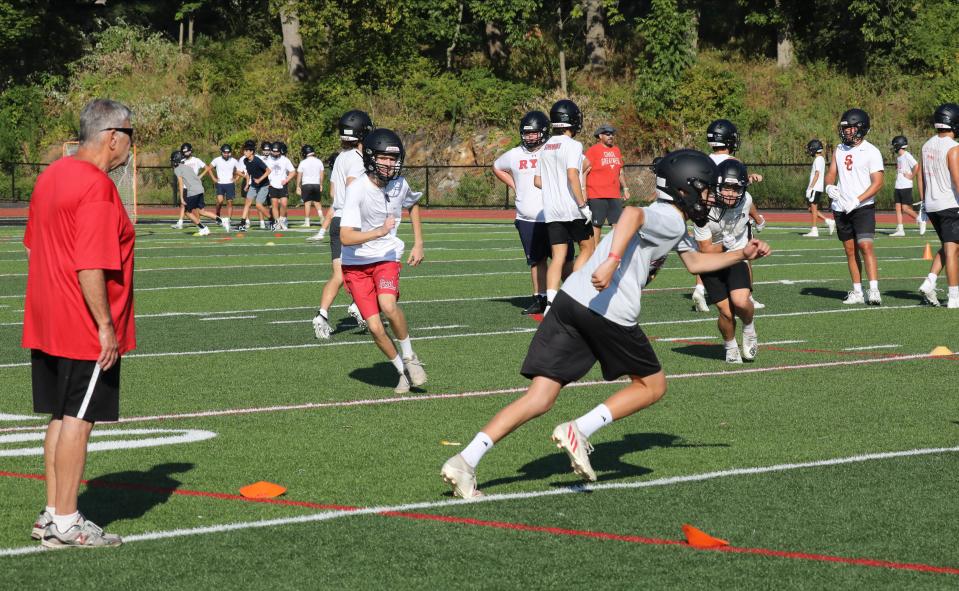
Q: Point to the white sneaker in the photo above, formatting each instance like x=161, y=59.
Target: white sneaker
x=204, y=231
x=82, y=534
x=929, y=295
x=831, y=224
x=953, y=303
x=814, y=233
x=873, y=298
x=321, y=328
x=757, y=305
x=44, y=519
x=316, y=237
x=414, y=367
x=306, y=224
x=733, y=356
x=922, y=228
x=263, y=224
x=403, y=386
x=699, y=301
x=568, y=438
x=750, y=346
x=226, y=223
x=177, y=226
x=854, y=297
x=354, y=311
x=461, y=477
x=898, y=233
x=282, y=225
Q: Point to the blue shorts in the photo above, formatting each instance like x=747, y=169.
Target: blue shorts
x=194, y=202
x=259, y=194
x=228, y=190
x=535, y=239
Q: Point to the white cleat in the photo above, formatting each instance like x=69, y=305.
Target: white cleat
x=461, y=477
x=831, y=224
x=321, y=328
x=177, y=226
x=567, y=437
x=750, y=346
x=898, y=233
x=929, y=295
x=403, y=386
x=316, y=237
x=922, y=228
x=733, y=356
x=305, y=224
x=226, y=224
x=953, y=303
x=873, y=298
x=414, y=367
x=204, y=231
x=854, y=297
x=814, y=233
x=354, y=311
x=757, y=305
x=699, y=301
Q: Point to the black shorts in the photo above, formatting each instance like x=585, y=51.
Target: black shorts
x=605, y=211
x=720, y=283
x=312, y=193
x=946, y=223
x=859, y=224
x=336, y=247
x=903, y=196
x=195, y=202
x=279, y=192
x=566, y=232
x=815, y=197
x=228, y=190
x=66, y=387
x=572, y=338
x=535, y=239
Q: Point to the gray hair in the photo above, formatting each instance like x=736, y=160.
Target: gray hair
x=100, y=114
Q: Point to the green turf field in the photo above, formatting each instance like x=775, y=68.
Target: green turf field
x=229, y=373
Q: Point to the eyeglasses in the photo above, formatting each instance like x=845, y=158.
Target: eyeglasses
x=126, y=130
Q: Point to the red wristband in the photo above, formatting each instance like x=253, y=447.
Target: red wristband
x=615, y=256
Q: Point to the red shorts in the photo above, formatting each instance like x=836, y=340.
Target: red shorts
x=365, y=282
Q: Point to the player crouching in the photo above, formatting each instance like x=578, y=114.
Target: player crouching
x=372, y=251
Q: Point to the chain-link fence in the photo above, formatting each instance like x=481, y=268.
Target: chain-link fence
x=783, y=185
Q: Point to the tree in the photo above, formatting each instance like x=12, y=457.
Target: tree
x=595, y=35
x=293, y=43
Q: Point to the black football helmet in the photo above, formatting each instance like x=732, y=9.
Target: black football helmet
x=732, y=177
x=265, y=147
x=853, y=119
x=354, y=126
x=282, y=147
x=249, y=145
x=275, y=149
x=814, y=147
x=566, y=114
x=306, y=150
x=176, y=158
x=683, y=175
x=226, y=149
x=899, y=142
x=721, y=133
x=380, y=142
x=534, y=122
x=187, y=149
x=946, y=117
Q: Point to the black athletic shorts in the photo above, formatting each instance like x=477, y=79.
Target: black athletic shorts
x=572, y=338
x=565, y=232
x=720, y=283
x=946, y=223
x=311, y=193
x=279, y=192
x=336, y=247
x=228, y=190
x=815, y=197
x=195, y=202
x=68, y=387
x=903, y=196
x=535, y=239
x=859, y=224
x=606, y=211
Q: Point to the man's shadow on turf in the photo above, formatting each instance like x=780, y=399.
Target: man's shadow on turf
x=606, y=459
x=381, y=375
x=521, y=302
x=130, y=494
x=823, y=292
x=706, y=351
x=902, y=294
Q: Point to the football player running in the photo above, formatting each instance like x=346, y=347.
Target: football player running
x=814, y=191
x=594, y=318
x=372, y=252
x=858, y=169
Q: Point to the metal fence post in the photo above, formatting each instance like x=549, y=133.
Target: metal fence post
x=13, y=182
x=506, y=202
x=427, y=185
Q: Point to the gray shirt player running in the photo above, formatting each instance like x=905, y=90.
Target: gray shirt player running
x=594, y=318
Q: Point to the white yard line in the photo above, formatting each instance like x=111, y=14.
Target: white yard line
x=672, y=339
x=781, y=342
x=228, y=318
x=872, y=347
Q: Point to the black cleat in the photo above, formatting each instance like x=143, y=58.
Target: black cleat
x=537, y=307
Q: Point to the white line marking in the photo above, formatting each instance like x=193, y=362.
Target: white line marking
x=441, y=327
x=496, y=498
x=781, y=342
x=872, y=347
x=172, y=437
x=6, y=417
x=672, y=339
x=228, y=318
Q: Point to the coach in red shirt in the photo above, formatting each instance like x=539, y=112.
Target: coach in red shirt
x=78, y=317
x=605, y=182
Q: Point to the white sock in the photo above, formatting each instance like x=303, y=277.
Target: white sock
x=857, y=287
x=324, y=314
x=550, y=295
x=700, y=288
x=474, y=452
x=406, y=347
x=225, y=220
x=594, y=420
x=64, y=522
x=899, y=227
x=50, y=510
x=873, y=284
x=953, y=292
x=931, y=278
x=732, y=344
x=749, y=329
x=398, y=364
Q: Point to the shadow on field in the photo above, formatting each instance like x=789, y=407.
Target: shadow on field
x=521, y=302
x=823, y=292
x=130, y=494
x=606, y=459
x=902, y=294
x=381, y=375
x=707, y=351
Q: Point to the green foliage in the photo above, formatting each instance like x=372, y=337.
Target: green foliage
x=22, y=111
x=473, y=190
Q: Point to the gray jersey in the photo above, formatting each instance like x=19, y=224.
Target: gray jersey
x=191, y=182
x=664, y=230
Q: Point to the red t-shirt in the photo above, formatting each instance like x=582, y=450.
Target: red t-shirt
x=602, y=182
x=77, y=222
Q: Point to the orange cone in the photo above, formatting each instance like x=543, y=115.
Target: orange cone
x=927, y=254
x=697, y=538
x=262, y=490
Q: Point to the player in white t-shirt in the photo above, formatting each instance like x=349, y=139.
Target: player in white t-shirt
x=814, y=191
x=282, y=172
x=348, y=166
x=594, y=318
x=565, y=208
x=373, y=253
x=516, y=169
x=309, y=183
x=939, y=190
x=226, y=169
x=858, y=166
x=906, y=169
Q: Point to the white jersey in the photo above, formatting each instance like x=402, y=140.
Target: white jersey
x=521, y=164
x=367, y=207
x=348, y=163
x=225, y=169
x=718, y=158
x=732, y=230
x=904, y=166
x=559, y=154
x=818, y=165
x=938, y=191
x=195, y=163
x=310, y=168
x=663, y=230
x=280, y=168
x=854, y=165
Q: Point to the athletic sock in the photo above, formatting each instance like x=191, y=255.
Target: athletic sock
x=931, y=278
x=732, y=344
x=857, y=287
x=873, y=284
x=324, y=314
x=474, y=452
x=64, y=522
x=50, y=510
x=899, y=228
x=550, y=295
x=406, y=347
x=700, y=288
x=594, y=420
x=953, y=292
x=749, y=329
x=398, y=364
